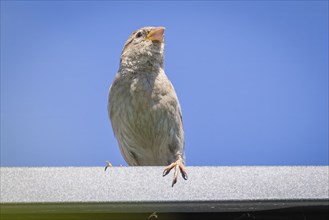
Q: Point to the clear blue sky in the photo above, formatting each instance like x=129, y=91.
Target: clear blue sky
x=251, y=76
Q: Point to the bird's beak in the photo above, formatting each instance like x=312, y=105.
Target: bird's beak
x=156, y=34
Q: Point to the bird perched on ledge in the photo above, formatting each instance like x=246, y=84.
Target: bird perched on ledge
x=143, y=106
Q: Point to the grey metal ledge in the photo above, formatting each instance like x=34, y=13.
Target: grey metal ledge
x=143, y=189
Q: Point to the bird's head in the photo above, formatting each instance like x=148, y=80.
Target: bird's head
x=144, y=47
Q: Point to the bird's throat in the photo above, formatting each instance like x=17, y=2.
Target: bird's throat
x=142, y=63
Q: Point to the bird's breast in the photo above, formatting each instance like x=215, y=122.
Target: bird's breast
x=147, y=119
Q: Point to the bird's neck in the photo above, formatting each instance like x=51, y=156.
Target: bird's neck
x=142, y=63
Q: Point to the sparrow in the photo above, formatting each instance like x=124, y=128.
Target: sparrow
x=143, y=106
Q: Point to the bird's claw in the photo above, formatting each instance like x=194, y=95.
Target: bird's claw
x=168, y=169
x=108, y=164
x=174, y=181
x=165, y=172
x=184, y=174
x=179, y=166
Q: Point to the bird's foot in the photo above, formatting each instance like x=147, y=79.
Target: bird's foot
x=108, y=164
x=179, y=165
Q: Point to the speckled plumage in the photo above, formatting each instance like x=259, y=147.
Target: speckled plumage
x=143, y=106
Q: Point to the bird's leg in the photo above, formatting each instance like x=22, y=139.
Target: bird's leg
x=108, y=164
x=179, y=165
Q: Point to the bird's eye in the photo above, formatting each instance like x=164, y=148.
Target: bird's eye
x=139, y=34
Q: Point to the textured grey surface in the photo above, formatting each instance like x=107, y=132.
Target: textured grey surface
x=220, y=188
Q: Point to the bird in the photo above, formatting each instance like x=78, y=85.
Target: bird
x=143, y=106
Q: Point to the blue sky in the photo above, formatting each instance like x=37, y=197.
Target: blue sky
x=251, y=76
